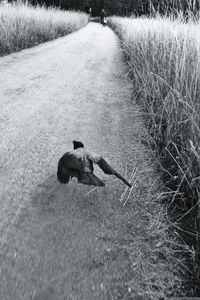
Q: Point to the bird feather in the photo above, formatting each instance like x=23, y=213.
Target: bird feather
x=90, y=179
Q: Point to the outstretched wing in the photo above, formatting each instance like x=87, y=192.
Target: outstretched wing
x=70, y=161
x=63, y=174
x=90, y=179
x=105, y=167
x=67, y=164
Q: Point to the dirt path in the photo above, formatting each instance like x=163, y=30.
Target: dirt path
x=57, y=241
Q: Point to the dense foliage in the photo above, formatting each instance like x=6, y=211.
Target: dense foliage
x=123, y=7
x=164, y=60
x=24, y=26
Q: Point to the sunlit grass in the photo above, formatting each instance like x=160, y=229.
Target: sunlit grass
x=23, y=26
x=163, y=55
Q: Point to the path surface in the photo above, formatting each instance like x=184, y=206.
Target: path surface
x=56, y=241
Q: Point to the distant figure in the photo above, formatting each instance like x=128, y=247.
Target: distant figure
x=90, y=13
x=102, y=16
x=79, y=163
x=104, y=22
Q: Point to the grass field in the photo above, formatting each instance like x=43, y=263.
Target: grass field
x=23, y=26
x=163, y=55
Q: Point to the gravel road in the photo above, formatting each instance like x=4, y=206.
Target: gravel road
x=54, y=238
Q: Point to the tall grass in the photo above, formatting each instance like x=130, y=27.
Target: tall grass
x=23, y=26
x=163, y=55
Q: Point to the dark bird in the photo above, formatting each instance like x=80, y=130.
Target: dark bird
x=79, y=163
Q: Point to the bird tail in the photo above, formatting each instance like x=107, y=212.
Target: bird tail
x=109, y=170
x=90, y=179
x=122, y=178
x=62, y=174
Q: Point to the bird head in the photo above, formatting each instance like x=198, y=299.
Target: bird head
x=77, y=144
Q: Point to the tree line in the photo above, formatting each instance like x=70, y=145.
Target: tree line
x=123, y=7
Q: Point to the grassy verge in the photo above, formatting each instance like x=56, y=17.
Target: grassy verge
x=155, y=266
x=164, y=60
x=23, y=26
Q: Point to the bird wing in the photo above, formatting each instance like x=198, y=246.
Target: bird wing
x=63, y=174
x=90, y=179
x=70, y=161
x=106, y=168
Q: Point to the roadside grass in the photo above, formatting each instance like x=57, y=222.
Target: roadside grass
x=23, y=26
x=163, y=56
x=155, y=261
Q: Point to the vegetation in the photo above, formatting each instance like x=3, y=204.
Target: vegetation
x=164, y=59
x=123, y=7
x=23, y=26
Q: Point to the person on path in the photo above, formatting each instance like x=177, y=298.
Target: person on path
x=90, y=13
x=102, y=16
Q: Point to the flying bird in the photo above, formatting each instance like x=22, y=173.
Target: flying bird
x=79, y=163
